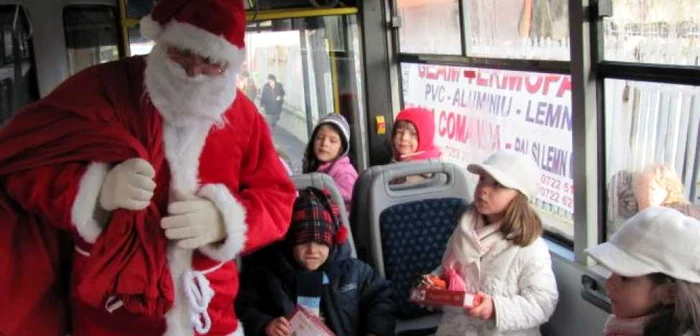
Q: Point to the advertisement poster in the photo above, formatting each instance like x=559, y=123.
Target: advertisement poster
x=479, y=111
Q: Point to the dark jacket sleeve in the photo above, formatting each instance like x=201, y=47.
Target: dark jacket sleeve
x=251, y=302
x=376, y=300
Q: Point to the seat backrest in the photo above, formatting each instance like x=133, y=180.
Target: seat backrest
x=373, y=194
x=419, y=198
x=324, y=182
x=407, y=226
x=359, y=215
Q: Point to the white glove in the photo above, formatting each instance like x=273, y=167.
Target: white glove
x=129, y=185
x=193, y=222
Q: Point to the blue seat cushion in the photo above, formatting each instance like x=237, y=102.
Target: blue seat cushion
x=414, y=236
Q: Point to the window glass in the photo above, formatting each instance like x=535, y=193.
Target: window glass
x=91, y=36
x=480, y=111
x=429, y=27
x=18, y=83
x=139, y=45
x=652, y=153
x=522, y=29
x=665, y=32
x=314, y=71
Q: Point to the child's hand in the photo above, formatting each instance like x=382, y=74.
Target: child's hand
x=278, y=327
x=484, y=310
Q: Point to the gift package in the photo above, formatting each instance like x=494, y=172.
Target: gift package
x=448, y=289
x=305, y=323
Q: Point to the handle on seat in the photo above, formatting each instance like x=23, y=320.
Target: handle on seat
x=403, y=169
x=591, y=292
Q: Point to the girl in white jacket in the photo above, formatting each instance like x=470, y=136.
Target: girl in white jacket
x=498, y=250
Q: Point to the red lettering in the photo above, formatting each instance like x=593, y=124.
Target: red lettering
x=421, y=71
x=547, y=81
x=481, y=80
x=442, y=127
x=564, y=86
x=441, y=72
x=515, y=83
x=531, y=87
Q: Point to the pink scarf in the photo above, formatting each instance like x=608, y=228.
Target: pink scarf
x=616, y=326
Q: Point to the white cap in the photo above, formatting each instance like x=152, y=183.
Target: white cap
x=513, y=170
x=655, y=240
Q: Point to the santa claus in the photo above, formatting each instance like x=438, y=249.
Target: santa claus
x=159, y=171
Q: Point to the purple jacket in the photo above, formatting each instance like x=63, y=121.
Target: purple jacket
x=344, y=175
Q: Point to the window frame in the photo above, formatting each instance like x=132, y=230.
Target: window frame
x=116, y=13
x=588, y=70
x=526, y=65
x=621, y=70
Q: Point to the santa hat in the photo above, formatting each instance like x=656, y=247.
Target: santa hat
x=209, y=28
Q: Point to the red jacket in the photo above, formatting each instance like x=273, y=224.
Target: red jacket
x=125, y=279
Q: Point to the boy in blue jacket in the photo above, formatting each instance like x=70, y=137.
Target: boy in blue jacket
x=312, y=268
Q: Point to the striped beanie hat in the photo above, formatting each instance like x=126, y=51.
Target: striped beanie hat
x=316, y=219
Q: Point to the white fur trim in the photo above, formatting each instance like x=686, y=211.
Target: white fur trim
x=183, y=146
x=203, y=43
x=150, y=28
x=84, y=212
x=234, y=214
x=239, y=330
x=177, y=318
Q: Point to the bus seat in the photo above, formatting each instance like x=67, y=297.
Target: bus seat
x=359, y=216
x=325, y=182
x=405, y=228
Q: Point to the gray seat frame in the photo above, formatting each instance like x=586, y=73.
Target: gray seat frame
x=448, y=180
x=325, y=182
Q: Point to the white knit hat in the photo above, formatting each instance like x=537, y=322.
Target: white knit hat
x=656, y=240
x=339, y=121
x=513, y=170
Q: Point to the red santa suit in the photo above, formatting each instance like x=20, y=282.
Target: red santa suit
x=126, y=278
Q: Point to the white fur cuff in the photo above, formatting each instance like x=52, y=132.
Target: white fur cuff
x=84, y=212
x=234, y=215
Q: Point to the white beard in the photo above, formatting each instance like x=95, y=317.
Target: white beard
x=183, y=100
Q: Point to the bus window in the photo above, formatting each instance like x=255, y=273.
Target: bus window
x=429, y=27
x=92, y=36
x=314, y=66
x=520, y=29
x=139, y=45
x=479, y=111
x=659, y=32
x=652, y=153
x=652, y=149
x=18, y=84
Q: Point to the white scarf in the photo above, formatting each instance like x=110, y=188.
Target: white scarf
x=471, y=239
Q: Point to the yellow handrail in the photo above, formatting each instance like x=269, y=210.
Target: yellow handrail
x=124, y=28
x=274, y=14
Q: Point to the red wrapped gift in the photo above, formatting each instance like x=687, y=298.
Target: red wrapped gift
x=442, y=297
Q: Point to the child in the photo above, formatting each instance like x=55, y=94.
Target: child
x=497, y=249
x=658, y=185
x=412, y=139
x=327, y=153
x=655, y=283
x=312, y=268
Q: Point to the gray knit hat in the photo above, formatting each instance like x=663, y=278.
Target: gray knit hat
x=339, y=121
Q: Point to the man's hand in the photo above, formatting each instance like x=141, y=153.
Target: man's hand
x=193, y=222
x=483, y=311
x=278, y=327
x=129, y=185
